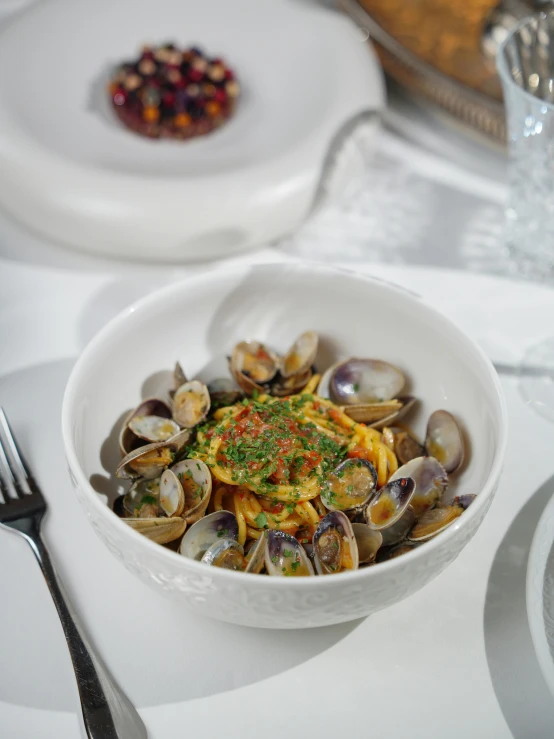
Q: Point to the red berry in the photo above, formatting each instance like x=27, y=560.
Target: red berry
x=120, y=97
x=220, y=96
x=169, y=98
x=195, y=75
x=229, y=75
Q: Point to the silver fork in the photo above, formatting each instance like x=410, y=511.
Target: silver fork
x=107, y=712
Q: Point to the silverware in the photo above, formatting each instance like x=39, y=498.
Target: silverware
x=107, y=712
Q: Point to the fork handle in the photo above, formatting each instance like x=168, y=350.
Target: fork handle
x=107, y=712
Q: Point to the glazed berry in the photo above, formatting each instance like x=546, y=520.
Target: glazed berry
x=182, y=119
x=150, y=114
x=147, y=66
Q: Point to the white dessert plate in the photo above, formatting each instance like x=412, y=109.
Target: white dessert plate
x=540, y=592
x=71, y=171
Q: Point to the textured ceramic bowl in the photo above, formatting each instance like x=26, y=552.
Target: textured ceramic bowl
x=197, y=322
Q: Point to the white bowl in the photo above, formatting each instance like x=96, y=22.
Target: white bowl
x=197, y=322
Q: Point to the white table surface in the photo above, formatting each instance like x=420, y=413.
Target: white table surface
x=455, y=660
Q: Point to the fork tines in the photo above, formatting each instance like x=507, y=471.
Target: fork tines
x=17, y=484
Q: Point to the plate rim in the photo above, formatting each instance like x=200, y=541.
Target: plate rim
x=534, y=592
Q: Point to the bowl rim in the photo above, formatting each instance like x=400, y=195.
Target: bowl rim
x=221, y=271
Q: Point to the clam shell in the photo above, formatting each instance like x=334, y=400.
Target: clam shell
x=191, y=404
x=179, y=377
x=195, y=480
x=434, y=521
x=291, y=385
x=148, y=461
x=224, y=391
x=399, y=531
x=358, y=381
x=334, y=543
x=148, y=407
x=444, y=440
x=160, y=530
x=153, y=428
x=370, y=413
x=285, y=556
x=252, y=366
x=255, y=557
x=208, y=530
x=368, y=541
x=301, y=355
x=349, y=486
x=172, y=497
x=430, y=479
x=387, y=553
x=225, y=553
x=141, y=494
x=390, y=503
x=406, y=447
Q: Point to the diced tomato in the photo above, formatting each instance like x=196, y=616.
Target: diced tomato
x=281, y=474
x=358, y=452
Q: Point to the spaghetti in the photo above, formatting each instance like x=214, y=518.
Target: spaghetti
x=269, y=458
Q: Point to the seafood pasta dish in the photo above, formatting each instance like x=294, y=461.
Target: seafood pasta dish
x=285, y=471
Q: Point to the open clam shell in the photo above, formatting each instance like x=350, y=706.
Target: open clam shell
x=386, y=553
x=147, y=461
x=430, y=479
x=390, y=503
x=208, y=530
x=195, y=481
x=334, y=543
x=191, y=404
x=142, y=499
x=128, y=440
x=378, y=415
x=255, y=557
x=160, y=530
x=253, y=366
x=444, y=440
x=398, y=532
x=285, y=556
x=224, y=391
x=179, y=376
x=172, y=497
x=357, y=381
x=406, y=447
x=290, y=385
x=368, y=542
x=434, y=521
x=301, y=355
x=349, y=486
x=225, y=553
x=153, y=428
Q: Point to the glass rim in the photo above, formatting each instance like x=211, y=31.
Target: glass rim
x=502, y=64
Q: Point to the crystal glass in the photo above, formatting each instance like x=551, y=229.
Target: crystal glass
x=525, y=64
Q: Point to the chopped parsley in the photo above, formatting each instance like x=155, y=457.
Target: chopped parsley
x=261, y=520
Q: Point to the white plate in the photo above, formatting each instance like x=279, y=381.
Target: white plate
x=464, y=637
x=70, y=170
x=540, y=592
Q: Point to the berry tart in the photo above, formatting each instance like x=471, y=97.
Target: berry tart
x=172, y=93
